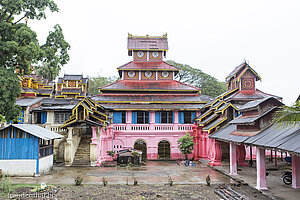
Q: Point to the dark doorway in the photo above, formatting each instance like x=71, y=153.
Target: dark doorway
x=164, y=150
x=142, y=146
x=225, y=151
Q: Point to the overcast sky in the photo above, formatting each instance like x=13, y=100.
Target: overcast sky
x=214, y=36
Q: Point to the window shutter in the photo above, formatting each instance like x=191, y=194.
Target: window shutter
x=117, y=117
x=134, y=117
x=157, y=117
x=180, y=117
x=173, y=117
x=193, y=116
x=44, y=117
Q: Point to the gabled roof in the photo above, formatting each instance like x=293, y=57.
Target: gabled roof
x=253, y=104
x=28, y=101
x=248, y=120
x=153, y=85
x=72, y=77
x=159, y=43
x=209, y=119
x=253, y=95
x=224, y=134
x=214, y=124
x=36, y=131
x=240, y=70
x=148, y=66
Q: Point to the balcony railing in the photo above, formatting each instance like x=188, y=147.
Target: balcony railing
x=152, y=127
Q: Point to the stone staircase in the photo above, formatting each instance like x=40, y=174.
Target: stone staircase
x=82, y=155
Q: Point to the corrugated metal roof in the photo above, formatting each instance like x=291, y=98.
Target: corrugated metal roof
x=244, y=120
x=148, y=66
x=53, y=101
x=72, y=77
x=204, y=122
x=149, y=85
x=136, y=43
x=247, y=96
x=224, y=134
x=215, y=123
x=152, y=98
x=28, y=101
x=38, y=131
x=61, y=107
x=153, y=106
x=253, y=104
x=286, y=139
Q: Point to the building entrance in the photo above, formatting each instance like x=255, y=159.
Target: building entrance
x=164, y=150
x=142, y=146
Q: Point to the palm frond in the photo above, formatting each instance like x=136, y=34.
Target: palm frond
x=288, y=115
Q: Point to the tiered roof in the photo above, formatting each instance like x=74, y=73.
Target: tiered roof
x=158, y=43
x=71, y=85
x=148, y=82
x=224, y=108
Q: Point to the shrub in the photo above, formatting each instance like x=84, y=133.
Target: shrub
x=78, y=179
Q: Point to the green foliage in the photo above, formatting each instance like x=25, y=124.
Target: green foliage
x=9, y=91
x=186, y=144
x=104, y=181
x=6, y=185
x=54, y=54
x=288, y=115
x=78, y=179
x=20, y=49
x=96, y=82
x=195, y=77
x=111, y=153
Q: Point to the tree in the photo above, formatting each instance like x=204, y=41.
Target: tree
x=288, y=115
x=96, y=82
x=20, y=49
x=208, y=84
x=8, y=108
x=186, y=145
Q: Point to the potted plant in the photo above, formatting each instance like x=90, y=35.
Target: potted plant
x=111, y=153
x=186, y=146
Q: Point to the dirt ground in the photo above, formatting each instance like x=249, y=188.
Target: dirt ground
x=138, y=192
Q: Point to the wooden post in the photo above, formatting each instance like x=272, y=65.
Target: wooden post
x=251, y=160
x=271, y=158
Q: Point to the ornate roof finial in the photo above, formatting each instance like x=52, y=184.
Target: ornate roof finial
x=129, y=35
x=165, y=35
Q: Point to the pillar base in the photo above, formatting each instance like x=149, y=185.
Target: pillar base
x=261, y=188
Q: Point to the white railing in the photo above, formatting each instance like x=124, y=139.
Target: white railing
x=152, y=127
x=144, y=127
x=120, y=127
x=55, y=128
x=185, y=127
x=164, y=127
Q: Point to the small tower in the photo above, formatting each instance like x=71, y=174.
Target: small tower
x=148, y=52
x=242, y=77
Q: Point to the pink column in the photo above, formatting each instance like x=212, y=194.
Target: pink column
x=152, y=120
x=261, y=181
x=233, y=164
x=94, y=135
x=241, y=155
x=175, y=117
x=295, y=172
x=215, y=153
